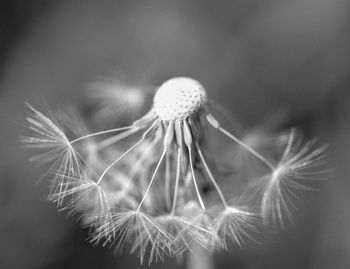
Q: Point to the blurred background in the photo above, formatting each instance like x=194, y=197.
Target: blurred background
x=254, y=57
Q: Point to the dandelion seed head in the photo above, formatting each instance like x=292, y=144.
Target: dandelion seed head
x=148, y=193
x=179, y=98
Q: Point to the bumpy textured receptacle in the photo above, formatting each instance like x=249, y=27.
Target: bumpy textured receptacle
x=179, y=98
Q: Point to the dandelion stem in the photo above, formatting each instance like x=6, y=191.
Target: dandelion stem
x=194, y=178
x=103, y=132
x=177, y=180
x=152, y=179
x=117, y=160
x=222, y=197
x=199, y=258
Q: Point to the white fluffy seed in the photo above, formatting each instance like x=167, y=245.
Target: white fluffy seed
x=179, y=98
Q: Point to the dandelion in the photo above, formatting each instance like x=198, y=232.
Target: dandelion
x=297, y=164
x=147, y=193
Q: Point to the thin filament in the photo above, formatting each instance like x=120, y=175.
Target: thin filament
x=102, y=132
x=117, y=160
x=114, y=139
x=230, y=117
x=177, y=180
x=222, y=197
x=289, y=144
x=194, y=179
x=152, y=179
x=167, y=180
x=142, y=158
x=251, y=150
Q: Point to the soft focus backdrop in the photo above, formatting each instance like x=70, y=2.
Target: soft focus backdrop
x=254, y=57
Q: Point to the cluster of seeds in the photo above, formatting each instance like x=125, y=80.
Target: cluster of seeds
x=143, y=186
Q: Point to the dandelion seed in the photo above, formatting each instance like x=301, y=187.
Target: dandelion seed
x=147, y=194
x=234, y=223
x=297, y=164
x=140, y=232
x=49, y=136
